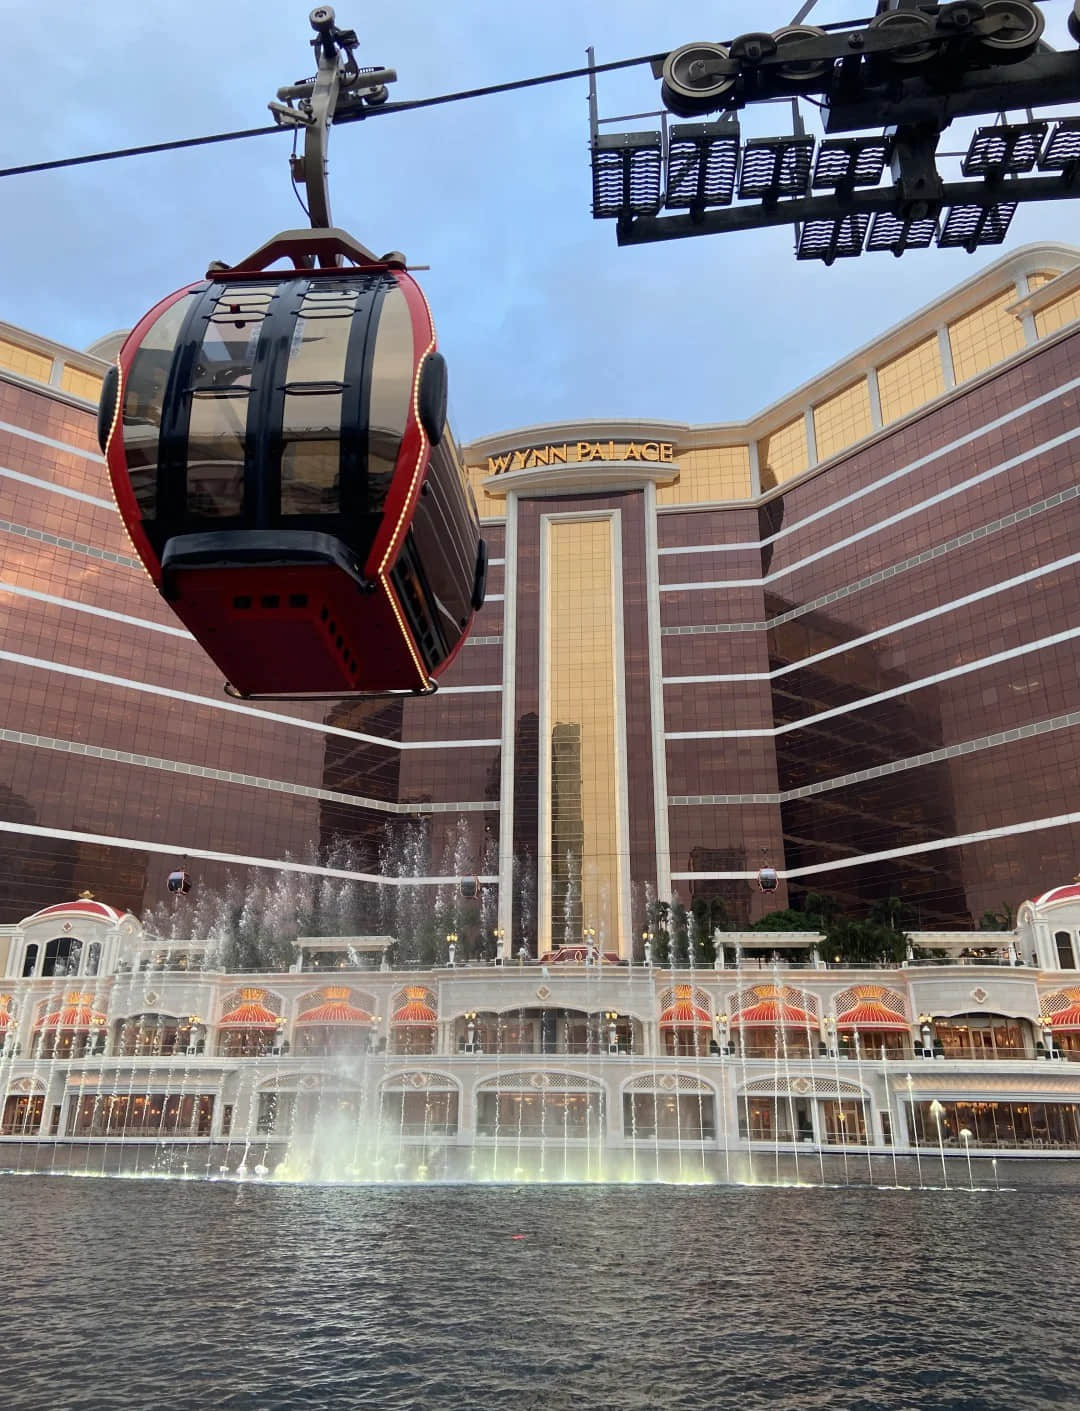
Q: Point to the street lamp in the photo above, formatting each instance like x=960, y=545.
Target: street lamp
x=1048, y=1034
x=647, y=938
x=470, y=1031
x=926, y=1022
x=590, y=944
x=451, y=946
x=611, y=1015
x=721, y=1031
x=500, y=938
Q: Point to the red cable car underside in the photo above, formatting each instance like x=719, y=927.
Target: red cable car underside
x=278, y=448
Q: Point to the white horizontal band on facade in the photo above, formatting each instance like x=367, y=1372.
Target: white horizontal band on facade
x=960, y=488
x=54, y=601
x=772, y=732
x=236, y=708
x=941, y=610
x=947, y=546
x=880, y=771
x=1033, y=825
x=226, y=776
x=54, y=489
x=65, y=446
x=928, y=459
x=274, y=864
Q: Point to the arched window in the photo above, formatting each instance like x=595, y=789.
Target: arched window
x=1065, y=954
x=30, y=959
x=93, y=958
x=62, y=956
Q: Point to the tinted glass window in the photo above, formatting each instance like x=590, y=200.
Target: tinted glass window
x=220, y=390
x=143, y=396
x=314, y=381
x=391, y=391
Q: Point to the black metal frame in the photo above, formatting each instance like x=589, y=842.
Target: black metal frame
x=863, y=87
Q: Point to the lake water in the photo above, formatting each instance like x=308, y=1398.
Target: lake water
x=193, y=1296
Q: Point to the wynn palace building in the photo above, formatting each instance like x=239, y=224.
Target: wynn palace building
x=840, y=635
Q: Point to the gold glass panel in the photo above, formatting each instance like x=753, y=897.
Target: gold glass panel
x=783, y=454
x=487, y=506
x=716, y=473
x=86, y=385
x=910, y=381
x=25, y=361
x=988, y=335
x=843, y=420
x=585, y=861
x=1057, y=315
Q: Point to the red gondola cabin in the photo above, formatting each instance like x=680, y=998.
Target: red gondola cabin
x=278, y=448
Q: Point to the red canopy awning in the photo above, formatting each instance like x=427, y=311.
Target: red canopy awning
x=769, y=1013
x=77, y=1013
x=871, y=1014
x=416, y=1009
x=335, y=1009
x=684, y=1014
x=250, y=1013
x=1066, y=1018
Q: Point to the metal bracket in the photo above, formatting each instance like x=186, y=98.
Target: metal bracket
x=340, y=85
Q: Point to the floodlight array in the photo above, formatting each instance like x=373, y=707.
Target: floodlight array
x=1062, y=152
x=830, y=240
x=897, y=234
x=848, y=162
x=776, y=166
x=968, y=227
x=626, y=174
x=703, y=159
x=1004, y=150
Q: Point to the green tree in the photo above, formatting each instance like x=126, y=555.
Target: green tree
x=1000, y=920
x=866, y=943
x=789, y=920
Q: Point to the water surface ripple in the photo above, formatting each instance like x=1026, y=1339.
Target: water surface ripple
x=189, y=1296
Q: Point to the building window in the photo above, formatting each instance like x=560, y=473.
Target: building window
x=910, y=381
x=843, y=420
x=783, y=455
x=30, y=960
x=1065, y=954
x=986, y=336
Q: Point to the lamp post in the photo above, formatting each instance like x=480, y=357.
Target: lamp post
x=500, y=940
x=647, y=938
x=926, y=1022
x=830, y=1035
x=936, y=1111
x=589, y=934
x=914, y=1125
x=470, y=1031
x=451, y=947
x=1048, y=1034
x=721, y=1021
x=611, y=1015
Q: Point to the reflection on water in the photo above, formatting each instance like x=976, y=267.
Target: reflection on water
x=178, y=1295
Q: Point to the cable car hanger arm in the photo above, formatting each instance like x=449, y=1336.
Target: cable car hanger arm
x=339, y=83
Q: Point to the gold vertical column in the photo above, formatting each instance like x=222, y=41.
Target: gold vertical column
x=583, y=813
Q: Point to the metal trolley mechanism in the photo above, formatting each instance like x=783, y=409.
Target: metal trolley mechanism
x=278, y=446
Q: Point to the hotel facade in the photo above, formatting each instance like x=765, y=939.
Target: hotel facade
x=840, y=636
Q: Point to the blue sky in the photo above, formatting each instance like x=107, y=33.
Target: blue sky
x=541, y=316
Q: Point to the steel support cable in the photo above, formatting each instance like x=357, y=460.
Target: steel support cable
x=360, y=113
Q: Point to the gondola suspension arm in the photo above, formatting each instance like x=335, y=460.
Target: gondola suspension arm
x=339, y=86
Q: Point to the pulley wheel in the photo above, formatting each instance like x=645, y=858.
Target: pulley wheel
x=1026, y=25
x=920, y=27
x=802, y=70
x=687, y=92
